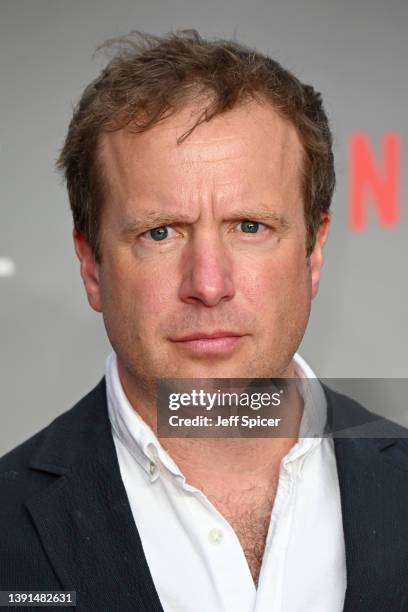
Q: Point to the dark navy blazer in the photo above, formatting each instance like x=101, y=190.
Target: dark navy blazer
x=66, y=523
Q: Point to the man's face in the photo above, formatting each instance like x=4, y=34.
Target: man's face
x=204, y=270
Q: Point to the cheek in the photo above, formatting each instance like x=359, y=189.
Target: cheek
x=276, y=282
x=137, y=292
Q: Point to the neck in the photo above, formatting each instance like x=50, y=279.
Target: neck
x=219, y=459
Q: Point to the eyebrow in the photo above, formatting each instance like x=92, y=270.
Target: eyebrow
x=151, y=219
x=158, y=219
x=260, y=215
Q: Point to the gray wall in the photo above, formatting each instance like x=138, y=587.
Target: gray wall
x=52, y=346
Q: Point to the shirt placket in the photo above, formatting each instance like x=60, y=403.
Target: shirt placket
x=270, y=595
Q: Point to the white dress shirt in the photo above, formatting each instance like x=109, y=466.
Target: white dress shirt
x=195, y=558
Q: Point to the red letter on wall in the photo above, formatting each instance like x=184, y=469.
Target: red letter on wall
x=366, y=179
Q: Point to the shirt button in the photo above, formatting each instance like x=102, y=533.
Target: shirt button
x=152, y=468
x=215, y=536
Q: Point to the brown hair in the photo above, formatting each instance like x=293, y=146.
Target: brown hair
x=151, y=77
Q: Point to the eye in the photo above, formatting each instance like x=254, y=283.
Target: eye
x=250, y=227
x=159, y=233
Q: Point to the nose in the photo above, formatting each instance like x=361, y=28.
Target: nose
x=206, y=274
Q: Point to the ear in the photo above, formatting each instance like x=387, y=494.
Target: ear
x=89, y=270
x=316, y=257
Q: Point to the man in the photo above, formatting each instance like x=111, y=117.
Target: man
x=200, y=176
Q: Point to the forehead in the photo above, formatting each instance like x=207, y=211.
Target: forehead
x=247, y=149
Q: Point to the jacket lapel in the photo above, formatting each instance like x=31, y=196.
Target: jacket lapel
x=87, y=529
x=84, y=519
x=373, y=479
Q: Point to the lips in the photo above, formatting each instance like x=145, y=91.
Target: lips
x=208, y=336
x=202, y=344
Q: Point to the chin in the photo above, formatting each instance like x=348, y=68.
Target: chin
x=207, y=370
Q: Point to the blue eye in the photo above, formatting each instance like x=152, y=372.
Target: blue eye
x=250, y=227
x=159, y=233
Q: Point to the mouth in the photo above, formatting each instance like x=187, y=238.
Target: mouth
x=209, y=343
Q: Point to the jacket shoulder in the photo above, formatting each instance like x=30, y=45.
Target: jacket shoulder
x=17, y=479
x=28, y=471
x=349, y=418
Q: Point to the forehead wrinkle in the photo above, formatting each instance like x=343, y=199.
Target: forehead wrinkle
x=211, y=148
x=192, y=142
x=215, y=160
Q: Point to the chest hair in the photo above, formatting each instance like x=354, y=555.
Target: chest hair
x=249, y=514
